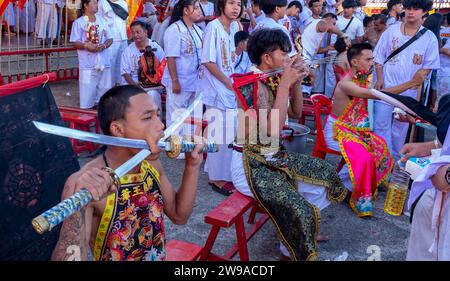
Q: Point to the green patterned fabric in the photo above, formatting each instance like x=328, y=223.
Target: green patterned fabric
x=274, y=180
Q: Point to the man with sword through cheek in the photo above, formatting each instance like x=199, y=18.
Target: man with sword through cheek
x=126, y=222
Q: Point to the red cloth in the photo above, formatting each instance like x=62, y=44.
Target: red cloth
x=9, y=89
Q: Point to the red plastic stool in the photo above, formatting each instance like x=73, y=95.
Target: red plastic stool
x=177, y=250
x=80, y=121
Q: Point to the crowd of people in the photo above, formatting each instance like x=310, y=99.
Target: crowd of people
x=198, y=49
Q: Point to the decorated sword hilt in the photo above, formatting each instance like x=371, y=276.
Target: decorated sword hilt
x=178, y=145
x=56, y=215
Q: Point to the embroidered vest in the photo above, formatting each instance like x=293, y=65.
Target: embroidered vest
x=131, y=227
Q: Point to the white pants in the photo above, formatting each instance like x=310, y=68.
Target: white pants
x=422, y=236
x=390, y=129
x=315, y=194
x=93, y=84
x=46, y=21
x=333, y=144
x=117, y=48
x=319, y=83
x=218, y=165
x=176, y=102
x=330, y=80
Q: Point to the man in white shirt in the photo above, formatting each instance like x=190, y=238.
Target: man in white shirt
x=129, y=67
x=255, y=14
x=395, y=9
x=275, y=10
x=313, y=40
x=349, y=24
x=90, y=36
x=215, y=86
x=118, y=29
x=422, y=55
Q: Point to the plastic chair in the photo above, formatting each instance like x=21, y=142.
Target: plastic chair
x=323, y=105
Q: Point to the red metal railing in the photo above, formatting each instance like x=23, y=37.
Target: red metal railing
x=62, y=73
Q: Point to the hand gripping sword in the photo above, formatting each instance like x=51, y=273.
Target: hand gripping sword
x=54, y=216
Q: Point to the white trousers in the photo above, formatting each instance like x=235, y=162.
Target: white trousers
x=93, y=84
x=333, y=144
x=117, y=48
x=175, y=104
x=390, y=129
x=315, y=194
x=223, y=132
x=46, y=21
x=422, y=236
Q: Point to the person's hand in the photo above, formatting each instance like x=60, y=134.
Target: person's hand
x=100, y=47
x=416, y=150
x=379, y=85
x=176, y=88
x=419, y=77
x=405, y=118
x=195, y=158
x=97, y=181
x=250, y=12
x=292, y=73
x=91, y=47
x=229, y=85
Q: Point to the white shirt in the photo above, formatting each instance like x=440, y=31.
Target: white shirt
x=187, y=50
x=116, y=25
x=311, y=40
x=330, y=8
x=445, y=61
x=149, y=8
x=305, y=18
x=355, y=29
x=445, y=33
x=209, y=11
x=243, y=63
x=257, y=20
x=130, y=60
x=391, y=21
x=359, y=14
x=218, y=48
x=400, y=69
x=271, y=23
x=86, y=59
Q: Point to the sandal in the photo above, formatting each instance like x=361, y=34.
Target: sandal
x=227, y=189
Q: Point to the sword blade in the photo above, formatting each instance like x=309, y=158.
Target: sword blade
x=180, y=119
x=92, y=137
x=132, y=162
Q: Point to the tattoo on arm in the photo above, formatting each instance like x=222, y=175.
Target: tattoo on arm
x=72, y=244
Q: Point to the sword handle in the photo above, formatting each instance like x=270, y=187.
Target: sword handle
x=187, y=146
x=54, y=216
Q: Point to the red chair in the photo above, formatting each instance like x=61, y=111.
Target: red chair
x=323, y=105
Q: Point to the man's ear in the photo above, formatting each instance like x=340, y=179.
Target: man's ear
x=117, y=129
x=265, y=58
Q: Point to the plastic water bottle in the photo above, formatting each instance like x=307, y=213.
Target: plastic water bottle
x=397, y=192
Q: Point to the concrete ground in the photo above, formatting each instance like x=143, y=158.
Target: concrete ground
x=382, y=237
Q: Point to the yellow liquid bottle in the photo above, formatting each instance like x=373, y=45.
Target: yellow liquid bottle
x=397, y=192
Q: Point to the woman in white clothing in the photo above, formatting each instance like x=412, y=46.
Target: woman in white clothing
x=183, y=47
